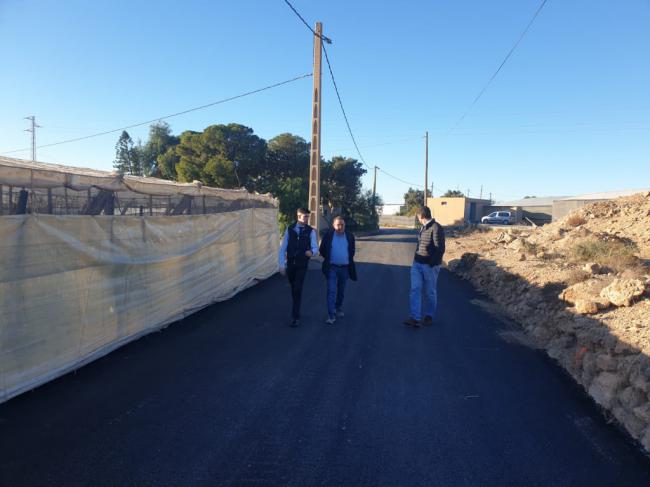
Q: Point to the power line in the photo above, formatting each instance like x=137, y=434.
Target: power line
x=170, y=116
x=326, y=39
x=399, y=179
x=494, y=75
x=398, y=141
x=347, y=122
x=345, y=116
x=338, y=96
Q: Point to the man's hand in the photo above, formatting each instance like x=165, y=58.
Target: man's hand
x=309, y=253
x=283, y=271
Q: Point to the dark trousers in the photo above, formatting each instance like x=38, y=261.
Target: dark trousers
x=296, y=272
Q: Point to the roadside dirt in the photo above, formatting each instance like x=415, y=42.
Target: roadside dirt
x=580, y=288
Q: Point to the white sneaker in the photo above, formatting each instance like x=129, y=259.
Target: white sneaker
x=330, y=321
x=340, y=313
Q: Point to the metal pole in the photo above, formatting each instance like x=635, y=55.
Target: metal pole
x=314, y=163
x=33, y=128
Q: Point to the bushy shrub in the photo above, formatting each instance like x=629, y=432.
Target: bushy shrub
x=607, y=250
x=575, y=220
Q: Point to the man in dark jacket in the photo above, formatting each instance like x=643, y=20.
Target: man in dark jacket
x=425, y=269
x=337, y=250
x=299, y=244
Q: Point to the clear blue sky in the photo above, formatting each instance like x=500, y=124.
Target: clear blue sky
x=568, y=114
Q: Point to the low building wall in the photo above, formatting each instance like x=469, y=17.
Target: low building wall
x=396, y=221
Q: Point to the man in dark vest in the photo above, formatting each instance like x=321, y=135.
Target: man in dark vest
x=425, y=269
x=299, y=244
x=337, y=250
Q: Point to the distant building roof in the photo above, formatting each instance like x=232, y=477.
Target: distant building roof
x=545, y=201
x=607, y=195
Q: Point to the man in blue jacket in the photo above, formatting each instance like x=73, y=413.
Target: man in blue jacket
x=425, y=269
x=337, y=250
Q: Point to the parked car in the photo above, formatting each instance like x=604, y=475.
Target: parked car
x=501, y=217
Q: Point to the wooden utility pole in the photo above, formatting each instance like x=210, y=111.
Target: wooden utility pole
x=374, y=185
x=426, y=165
x=314, y=162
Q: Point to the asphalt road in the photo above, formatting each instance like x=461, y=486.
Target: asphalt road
x=233, y=396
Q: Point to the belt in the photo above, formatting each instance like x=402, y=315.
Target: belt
x=339, y=265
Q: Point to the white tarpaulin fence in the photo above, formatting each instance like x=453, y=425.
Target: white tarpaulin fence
x=75, y=287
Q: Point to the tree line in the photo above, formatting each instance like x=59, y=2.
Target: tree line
x=232, y=156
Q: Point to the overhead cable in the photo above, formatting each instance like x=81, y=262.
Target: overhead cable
x=326, y=39
x=338, y=96
x=494, y=75
x=248, y=93
x=398, y=179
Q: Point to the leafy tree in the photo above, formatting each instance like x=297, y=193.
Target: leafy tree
x=413, y=199
x=293, y=194
x=453, y=193
x=127, y=157
x=287, y=156
x=286, y=174
x=225, y=156
x=341, y=183
x=364, y=212
x=153, y=162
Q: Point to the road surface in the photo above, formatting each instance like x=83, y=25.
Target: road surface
x=233, y=396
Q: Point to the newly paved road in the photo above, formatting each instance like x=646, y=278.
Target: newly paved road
x=233, y=396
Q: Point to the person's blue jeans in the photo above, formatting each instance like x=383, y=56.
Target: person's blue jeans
x=424, y=278
x=336, y=279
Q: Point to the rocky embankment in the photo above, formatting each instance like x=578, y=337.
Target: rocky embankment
x=580, y=288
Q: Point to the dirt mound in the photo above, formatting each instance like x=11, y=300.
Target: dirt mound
x=580, y=287
x=627, y=217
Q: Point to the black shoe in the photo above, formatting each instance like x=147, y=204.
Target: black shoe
x=427, y=321
x=410, y=321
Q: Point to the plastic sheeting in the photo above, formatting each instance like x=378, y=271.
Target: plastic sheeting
x=29, y=175
x=73, y=288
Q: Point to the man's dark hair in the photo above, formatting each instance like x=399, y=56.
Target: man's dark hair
x=338, y=217
x=304, y=211
x=424, y=212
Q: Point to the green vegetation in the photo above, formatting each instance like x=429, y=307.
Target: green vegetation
x=606, y=250
x=453, y=193
x=413, y=199
x=232, y=156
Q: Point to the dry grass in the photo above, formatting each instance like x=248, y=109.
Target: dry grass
x=607, y=250
x=576, y=276
x=531, y=248
x=635, y=272
x=575, y=220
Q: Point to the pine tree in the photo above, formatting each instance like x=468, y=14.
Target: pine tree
x=124, y=154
